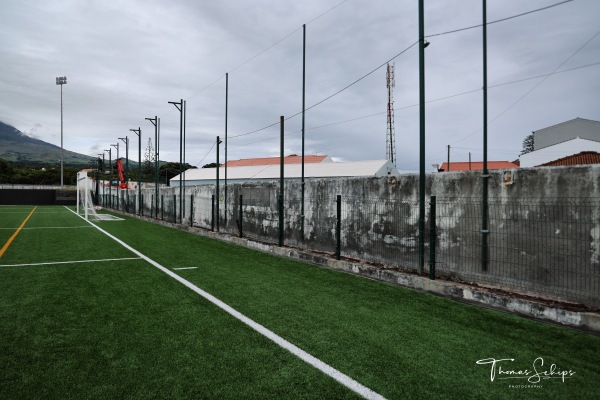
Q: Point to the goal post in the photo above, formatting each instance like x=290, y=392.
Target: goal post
x=85, y=203
x=84, y=197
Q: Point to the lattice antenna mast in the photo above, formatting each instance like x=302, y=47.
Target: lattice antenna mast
x=390, y=144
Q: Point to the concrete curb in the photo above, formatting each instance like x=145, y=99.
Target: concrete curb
x=459, y=291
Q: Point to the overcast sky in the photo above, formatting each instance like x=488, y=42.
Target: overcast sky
x=125, y=60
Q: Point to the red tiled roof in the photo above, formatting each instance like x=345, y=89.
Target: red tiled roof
x=291, y=159
x=477, y=165
x=585, y=157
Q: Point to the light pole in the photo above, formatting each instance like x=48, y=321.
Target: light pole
x=110, y=177
x=180, y=106
x=126, y=140
x=156, y=122
x=116, y=146
x=138, y=132
x=98, y=178
x=61, y=80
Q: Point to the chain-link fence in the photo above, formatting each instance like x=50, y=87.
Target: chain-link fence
x=546, y=247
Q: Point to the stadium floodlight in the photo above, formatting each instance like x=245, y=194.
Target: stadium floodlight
x=61, y=80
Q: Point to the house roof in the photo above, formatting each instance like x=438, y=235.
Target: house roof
x=585, y=157
x=569, y=122
x=477, y=166
x=313, y=170
x=291, y=159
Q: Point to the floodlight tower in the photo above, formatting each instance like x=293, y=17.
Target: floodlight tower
x=61, y=80
x=390, y=143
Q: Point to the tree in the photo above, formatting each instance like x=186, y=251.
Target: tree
x=211, y=165
x=149, y=156
x=527, y=144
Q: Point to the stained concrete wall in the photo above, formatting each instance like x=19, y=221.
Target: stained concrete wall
x=544, y=224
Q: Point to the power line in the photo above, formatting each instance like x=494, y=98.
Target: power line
x=535, y=87
x=206, y=155
x=332, y=95
x=326, y=12
x=452, y=96
x=499, y=20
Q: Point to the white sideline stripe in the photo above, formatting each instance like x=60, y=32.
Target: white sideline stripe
x=178, y=269
x=69, y=262
x=295, y=350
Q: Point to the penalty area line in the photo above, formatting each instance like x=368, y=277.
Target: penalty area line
x=69, y=262
x=340, y=377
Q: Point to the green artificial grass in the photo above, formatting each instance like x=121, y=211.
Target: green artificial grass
x=126, y=329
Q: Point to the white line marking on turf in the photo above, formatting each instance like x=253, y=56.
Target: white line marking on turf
x=69, y=262
x=50, y=227
x=295, y=350
x=179, y=269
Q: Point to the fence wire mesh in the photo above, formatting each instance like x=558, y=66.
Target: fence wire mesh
x=547, y=247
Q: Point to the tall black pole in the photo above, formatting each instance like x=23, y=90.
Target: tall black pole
x=448, y=166
x=179, y=106
x=139, y=170
x=226, y=116
x=127, y=169
x=138, y=132
x=421, y=138
x=109, y=177
x=156, y=163
x=484, y=223
x=126, y=140
x=303, y=110
x=281, y=174
x=217, y=217
x=182, y=197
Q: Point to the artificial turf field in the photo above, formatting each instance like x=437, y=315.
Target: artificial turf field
x=84, y=317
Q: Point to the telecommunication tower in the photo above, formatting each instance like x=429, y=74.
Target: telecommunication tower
x=390, y=144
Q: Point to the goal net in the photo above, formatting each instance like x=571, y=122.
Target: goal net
x=85, y=204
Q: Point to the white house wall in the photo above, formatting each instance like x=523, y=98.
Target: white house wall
x=552, y=153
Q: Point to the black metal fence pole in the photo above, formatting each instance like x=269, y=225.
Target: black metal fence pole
x=432, y=233
x=281, y=178
x=338, y=228
x=212, y=213
x=175, y=209
x=241, y=217
x=162, y=207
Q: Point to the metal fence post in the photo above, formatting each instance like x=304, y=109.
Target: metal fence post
x=432, y=233
x=162, y=207
x=280, y=220
x=175, y=209
x=338, y=228
x=141, y=205
x=241, y=217
x=212, y=213
x=191, y=210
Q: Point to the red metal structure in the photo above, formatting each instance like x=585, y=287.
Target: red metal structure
x=122, y=181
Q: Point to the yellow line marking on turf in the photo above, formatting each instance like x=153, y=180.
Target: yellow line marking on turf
x=14, y=235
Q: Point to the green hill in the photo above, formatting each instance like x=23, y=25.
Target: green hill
x=16, y=147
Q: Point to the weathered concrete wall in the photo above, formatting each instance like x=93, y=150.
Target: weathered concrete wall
x=544, y=223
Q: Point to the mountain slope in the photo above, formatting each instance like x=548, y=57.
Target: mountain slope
x=15, y=146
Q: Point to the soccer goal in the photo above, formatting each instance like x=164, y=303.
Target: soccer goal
x=85, y=204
